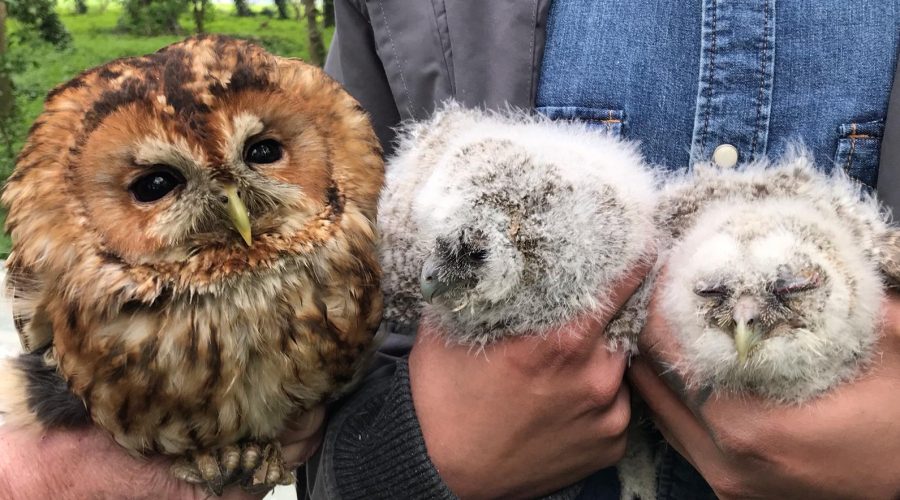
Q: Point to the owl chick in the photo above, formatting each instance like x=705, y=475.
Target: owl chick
x=193, y=255
x=509, y=224
x=775, y=278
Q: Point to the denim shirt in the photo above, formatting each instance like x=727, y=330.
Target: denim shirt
x=757, y=75
x=754, y=74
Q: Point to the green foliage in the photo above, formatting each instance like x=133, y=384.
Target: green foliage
x=152, y=17
x=41, y=17
x=81, y=7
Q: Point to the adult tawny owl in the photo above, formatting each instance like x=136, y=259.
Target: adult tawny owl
x=509, y=224
x=775, y=278
x=193, y=254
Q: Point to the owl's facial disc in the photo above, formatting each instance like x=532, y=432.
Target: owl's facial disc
x=758, y=311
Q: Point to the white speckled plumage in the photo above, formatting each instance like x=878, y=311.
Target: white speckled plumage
x=803, y=250
x=532, y=220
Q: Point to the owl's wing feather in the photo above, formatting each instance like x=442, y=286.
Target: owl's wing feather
x=889, y=257
x=32, y=323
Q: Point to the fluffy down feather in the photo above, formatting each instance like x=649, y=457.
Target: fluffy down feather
x=774, y=283
x=511, y=223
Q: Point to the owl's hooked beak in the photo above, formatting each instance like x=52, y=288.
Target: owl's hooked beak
x=746, y=330
x=430, y=283
x=238, y=213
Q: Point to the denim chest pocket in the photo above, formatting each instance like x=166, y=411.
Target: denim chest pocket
x=858, y=150
x=610, y=121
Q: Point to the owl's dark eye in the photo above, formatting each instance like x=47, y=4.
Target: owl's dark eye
x=711, y=291
x=264, y=151
x=153, y=186
x=477, y=255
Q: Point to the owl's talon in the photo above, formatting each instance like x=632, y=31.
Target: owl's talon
x=210, y=471
x=269, y=472
x=186, y=470
x=258, y=468
x=207, y=468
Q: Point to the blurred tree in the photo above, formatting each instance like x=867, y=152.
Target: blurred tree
x=41, y=19
x=316, y=44
x=152, y=17
x=282, y=6
x=81, y=7
x=7, y=100
x=298, y=8
x=200, y=14
x=328, y=13
x=242, y=9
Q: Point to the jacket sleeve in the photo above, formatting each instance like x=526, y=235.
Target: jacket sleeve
x=373, y=446
x=353, y=61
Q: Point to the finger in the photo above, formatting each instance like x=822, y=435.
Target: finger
x=615, y=415
x=628, y=284
x=586, y=333
x=657, y=341
x=305, y=425
x=670, y=413
x=891, y=321
x=606, y=372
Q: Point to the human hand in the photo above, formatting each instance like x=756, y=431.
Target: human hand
x=842, y=445
x=87, y=463
x=529, y=415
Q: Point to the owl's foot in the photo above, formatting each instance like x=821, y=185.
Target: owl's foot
x=265, y=466
x=258, y=467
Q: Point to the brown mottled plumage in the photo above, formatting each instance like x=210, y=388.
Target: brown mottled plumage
x=174, y=334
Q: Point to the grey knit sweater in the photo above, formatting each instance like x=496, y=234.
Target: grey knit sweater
x=373, y=446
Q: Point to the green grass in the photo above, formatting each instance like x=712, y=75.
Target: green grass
x=96, y=40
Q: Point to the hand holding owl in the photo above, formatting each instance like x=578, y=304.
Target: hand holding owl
x=841, y=445
x=103, y=469
x=529, y=415
x=775, y=333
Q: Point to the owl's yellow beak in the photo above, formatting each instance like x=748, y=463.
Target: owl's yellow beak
x=238, y=214
x=746, y=338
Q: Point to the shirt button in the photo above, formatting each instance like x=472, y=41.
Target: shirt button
x=725, y=155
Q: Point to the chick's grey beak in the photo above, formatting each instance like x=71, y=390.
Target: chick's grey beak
x=430, y=283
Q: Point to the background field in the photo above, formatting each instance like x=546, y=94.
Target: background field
x=36, y=67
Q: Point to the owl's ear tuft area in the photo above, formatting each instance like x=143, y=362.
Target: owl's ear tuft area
x=32, y=392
